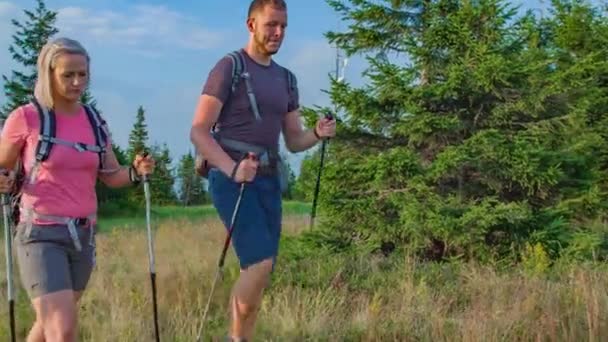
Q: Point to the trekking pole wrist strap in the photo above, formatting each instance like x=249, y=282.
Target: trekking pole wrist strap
x=314, y=130
x=234, y=169
x=133, y=176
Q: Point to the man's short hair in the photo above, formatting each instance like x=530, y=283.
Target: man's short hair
x=257, y=5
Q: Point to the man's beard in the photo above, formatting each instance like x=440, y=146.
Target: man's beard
x=261, y=47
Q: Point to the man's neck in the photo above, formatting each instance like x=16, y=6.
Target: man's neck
x=257, y=56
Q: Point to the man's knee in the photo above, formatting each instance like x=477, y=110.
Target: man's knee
x=265, y=266
x=260, y=273
x=245, y=309
x=253, y=280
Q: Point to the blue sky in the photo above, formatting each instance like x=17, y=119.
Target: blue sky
x=157, y=54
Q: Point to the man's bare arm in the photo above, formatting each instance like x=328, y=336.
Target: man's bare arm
x=296, y=138
x=206, y=114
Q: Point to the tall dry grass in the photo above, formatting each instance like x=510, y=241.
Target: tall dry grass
x=328, y=298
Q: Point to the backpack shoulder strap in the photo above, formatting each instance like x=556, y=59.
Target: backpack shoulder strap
x=48, y=129
x=100, y=130
x=239, y=70
x=100, y=127
x=292, y=81
x=238, y=67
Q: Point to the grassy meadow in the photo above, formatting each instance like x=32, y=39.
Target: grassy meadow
x=316, y=296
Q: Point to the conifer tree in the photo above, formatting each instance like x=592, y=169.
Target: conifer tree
x=191, y=184
x=31, y=35
x=473, y=137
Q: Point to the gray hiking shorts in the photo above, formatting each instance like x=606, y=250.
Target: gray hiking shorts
x=48, y=259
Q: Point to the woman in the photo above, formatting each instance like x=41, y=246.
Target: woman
x=55, y=235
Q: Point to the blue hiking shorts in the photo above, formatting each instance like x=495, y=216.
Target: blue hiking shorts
x=257, y=231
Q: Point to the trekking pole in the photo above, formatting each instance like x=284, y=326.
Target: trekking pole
x=9, y=264
x=146, y=181
x=223, y=255
x=5, y=199
x=318, y=184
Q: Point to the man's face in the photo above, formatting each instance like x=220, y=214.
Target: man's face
x=268, y=29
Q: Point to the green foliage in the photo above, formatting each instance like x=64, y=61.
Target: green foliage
x=305, y=184
x=535, y=260
x=138, y=138
x=481, y=142
x=30, y=37
x=115, y=201
x=192, y=190
x=87, y=98
x=291, y=193
x=161, y=183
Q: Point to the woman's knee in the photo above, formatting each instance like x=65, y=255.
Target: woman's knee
x=56, y=312
x=63, y=332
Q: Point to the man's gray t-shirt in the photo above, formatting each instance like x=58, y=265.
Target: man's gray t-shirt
x=273, y=95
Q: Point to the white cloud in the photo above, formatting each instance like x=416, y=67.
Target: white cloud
x=146, y=29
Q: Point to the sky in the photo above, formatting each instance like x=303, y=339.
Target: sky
x=158, y=53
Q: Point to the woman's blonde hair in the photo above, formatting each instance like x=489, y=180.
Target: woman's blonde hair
x=43, y=91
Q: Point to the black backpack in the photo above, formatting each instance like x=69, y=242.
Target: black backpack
x=239, y=72
x=47, y=139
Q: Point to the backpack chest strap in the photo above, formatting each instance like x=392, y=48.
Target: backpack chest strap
x=78, y=146
x=47, y=137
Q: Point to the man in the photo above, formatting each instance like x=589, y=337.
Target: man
x=257, y=232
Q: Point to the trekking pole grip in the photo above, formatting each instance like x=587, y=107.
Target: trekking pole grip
x=145, y=177
x=5, y=195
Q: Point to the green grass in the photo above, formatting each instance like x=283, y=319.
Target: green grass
x=192, y=214
x=317, y=295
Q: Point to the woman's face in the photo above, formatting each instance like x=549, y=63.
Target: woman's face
x=70, y=77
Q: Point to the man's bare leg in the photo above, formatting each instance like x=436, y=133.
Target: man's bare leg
x=246, y=298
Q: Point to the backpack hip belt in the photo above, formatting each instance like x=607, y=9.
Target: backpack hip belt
x=271, y=163
x=29, y=215
x=269, y=158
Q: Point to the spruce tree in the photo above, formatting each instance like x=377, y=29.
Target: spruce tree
x=305, y=183
x=290, y=192
x=163, y=180
x=471, y=139
x=138, y=138
x=191, y=184
x=115, y=201
x=32, y=34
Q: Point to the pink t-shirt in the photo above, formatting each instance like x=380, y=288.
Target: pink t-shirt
x=65, y=183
